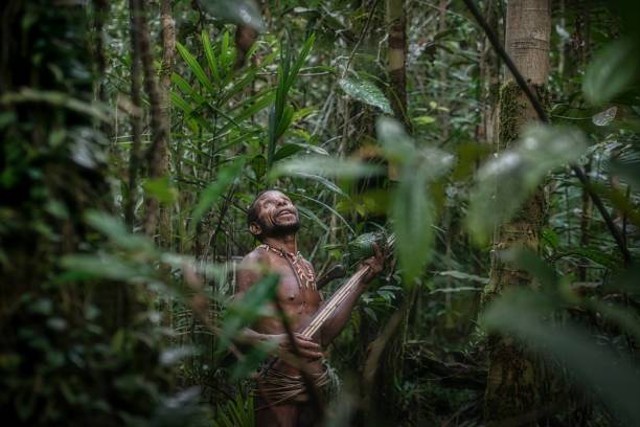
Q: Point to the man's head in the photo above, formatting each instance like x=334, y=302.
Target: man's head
x=272, y=214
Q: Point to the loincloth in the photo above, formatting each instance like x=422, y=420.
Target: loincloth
x=275, y=387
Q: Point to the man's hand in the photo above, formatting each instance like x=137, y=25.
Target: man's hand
x=375, y=264
x=308, y=349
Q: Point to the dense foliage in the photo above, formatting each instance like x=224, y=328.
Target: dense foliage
x=135, y=134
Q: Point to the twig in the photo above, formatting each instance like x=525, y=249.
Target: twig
x=542, y=115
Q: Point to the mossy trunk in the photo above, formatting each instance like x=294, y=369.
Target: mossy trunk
x=516, y=392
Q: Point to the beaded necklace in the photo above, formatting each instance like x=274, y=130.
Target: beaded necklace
x=302, y=270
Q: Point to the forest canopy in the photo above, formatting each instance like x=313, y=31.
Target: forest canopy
x=490, y=149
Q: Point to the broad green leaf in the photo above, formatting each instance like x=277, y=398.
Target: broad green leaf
x=607, y=375
x=212, y=193
x=505, y=182
x=367, y=92
x=613, y=70
x=245, y=12
x=412, y=211
x=324, y=166
x=413, y=216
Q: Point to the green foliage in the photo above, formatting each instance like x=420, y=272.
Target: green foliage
x=281, y=114
x=367, y=92
x=412, y=210
x=511, y=178
x=236, y=413
x=612, y=72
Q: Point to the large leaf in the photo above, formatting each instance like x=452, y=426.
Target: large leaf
x=613, y=70
x=505, y=182
x=324, y=166
x=613, y=378
x=413, y=215
x=366, y=91
x=412, y=211
x=245, y=12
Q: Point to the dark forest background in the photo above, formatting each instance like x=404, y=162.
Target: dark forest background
x=498, y=141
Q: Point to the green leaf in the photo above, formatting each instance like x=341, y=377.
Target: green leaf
x=614, y=379
x=245, y=12
x=367, y=92
x=396, y=144
x=287, y=150
x=211, y=57
x=212, y=193
x=613, y=70
x=504, y=183
x=195, y=67
x=460, y=275
x=413, y=215
x=114, y=229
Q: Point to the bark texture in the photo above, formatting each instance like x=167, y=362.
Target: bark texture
x=516, y=386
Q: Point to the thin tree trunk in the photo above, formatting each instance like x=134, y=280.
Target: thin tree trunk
x=157, y=152
x=516, y=381
x=168, y=61
x=397, y=67
x=136, y=119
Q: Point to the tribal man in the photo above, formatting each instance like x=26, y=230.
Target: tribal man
x=281, y=397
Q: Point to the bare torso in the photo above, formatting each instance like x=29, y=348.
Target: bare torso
x=298, y=303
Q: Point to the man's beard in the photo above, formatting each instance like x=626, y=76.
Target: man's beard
x=279, y=230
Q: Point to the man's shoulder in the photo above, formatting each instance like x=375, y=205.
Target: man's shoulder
x=255, y=256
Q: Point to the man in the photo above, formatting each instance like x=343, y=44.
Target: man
x=281, y=395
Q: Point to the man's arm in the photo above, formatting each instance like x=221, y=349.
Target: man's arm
x=341, y=316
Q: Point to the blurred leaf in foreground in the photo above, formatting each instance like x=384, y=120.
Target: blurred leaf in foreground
x=614, y=379
x=613, y=70
x=244, y=12
x=412, y=211
x=505, y=182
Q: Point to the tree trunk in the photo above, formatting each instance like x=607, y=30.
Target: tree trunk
x=516, y=381
x=397, y=66
x=157, y=153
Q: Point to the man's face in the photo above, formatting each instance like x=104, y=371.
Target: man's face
x=277, y=215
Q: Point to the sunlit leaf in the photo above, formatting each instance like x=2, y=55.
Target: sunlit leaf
x=611, y=377
x=366, y=91
x=244, y=12
x=612, y=71
x=505, y=182
x=324, y=166
x=460, y=275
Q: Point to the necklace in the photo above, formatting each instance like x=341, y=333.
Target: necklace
x=302, y=270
